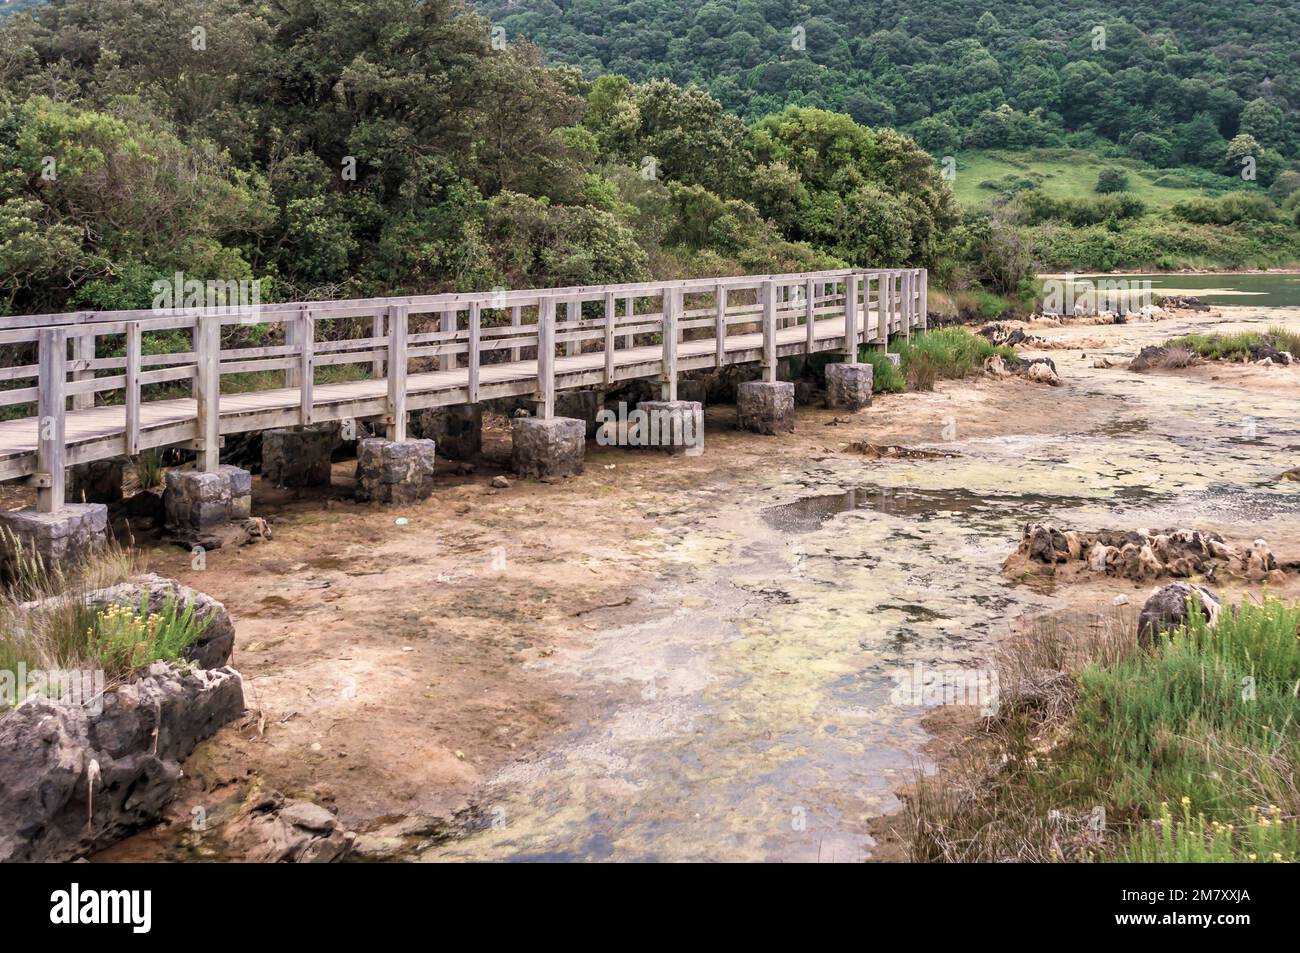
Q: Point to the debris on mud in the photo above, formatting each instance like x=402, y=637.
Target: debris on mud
x=882, y=451
x=1139, y=554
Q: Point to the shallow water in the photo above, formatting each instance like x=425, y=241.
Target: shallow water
x=1271, y=290
x=759, y=718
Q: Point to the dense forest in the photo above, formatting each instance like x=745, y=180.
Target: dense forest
x=1172, y=81
x=333, y=148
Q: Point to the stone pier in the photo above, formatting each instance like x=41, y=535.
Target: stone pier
x=848, y=386
x=60, y=539
x=456, y=429
x=547, y=448
x=198, y=504
x=394, y=472
x=671, y=426
x=765, y=407
x=298, y=456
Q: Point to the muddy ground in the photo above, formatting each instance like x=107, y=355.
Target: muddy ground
x=697, y=658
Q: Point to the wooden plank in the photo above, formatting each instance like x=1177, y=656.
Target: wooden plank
x=448, y=325
x=131, y=435
x=475, y=320
x=207, y=393
x=610, y=307
x=668, y=377
x=720, y=324
x=395, y=419
x=769, y=331
x=810, y=313
x=83, y=349
x=925, y=299
x=516, y=321
x=629, y=312
x=377, y=330
x=291, y=341
x=546, y=359
x=306, y=366
x=572, y=312
x=51, y=419
x=851, y=319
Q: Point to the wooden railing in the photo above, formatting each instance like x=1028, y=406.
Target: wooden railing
x=449, y=332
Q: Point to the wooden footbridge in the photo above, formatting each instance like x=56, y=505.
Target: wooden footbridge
x=404, y=354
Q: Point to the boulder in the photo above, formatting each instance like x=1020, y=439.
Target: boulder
x=1170, y=607
x=1268, y=354
x=73, y=780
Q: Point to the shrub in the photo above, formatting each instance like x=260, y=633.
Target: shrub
x=1112, y=180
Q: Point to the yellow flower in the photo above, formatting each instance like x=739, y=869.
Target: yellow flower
x=1277, y=858
x=1251, y=856
x=1186, y=800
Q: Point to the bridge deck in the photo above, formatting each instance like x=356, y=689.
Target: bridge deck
x=97, y=433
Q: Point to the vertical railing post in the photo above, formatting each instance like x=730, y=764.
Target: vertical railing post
x=909, y=305
x=395, y=418
x=306, y=366
x=769, y=331
x=546, y=358
x=886, y=307
x=720, y=325
x=51, y=419
x=207, y=392
x=516, y=320
x=447, y=324
x=672, y=306
x=810, y=314
x=475, y=326
x=131, y=435
x=609, y=337
x=572, y=315
x=291, y=373
x=83, y=350
x=629, y=311
x=851, y=319
x=377, y=330
x=925, y=299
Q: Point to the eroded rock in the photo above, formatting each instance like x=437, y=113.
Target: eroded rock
x=1169, y=607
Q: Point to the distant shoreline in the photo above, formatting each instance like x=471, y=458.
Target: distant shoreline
x=1208, y=272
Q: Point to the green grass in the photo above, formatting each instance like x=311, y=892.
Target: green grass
x=1205, y=721
x=944, y=353
x=1236, y=347
x=1066, y=173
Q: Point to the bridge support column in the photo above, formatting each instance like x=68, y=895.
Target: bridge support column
x=765, y=406
x=299, y=456
x=61, y=539
x=584, y=405
x=457, y=429
x=547, y=447
x=848, y=386
x=198, y=504
x=394, y=472
x=671, y=426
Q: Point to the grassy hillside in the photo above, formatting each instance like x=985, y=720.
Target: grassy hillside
x=986, y=176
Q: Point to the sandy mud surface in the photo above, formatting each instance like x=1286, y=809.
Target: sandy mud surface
x=700, y=658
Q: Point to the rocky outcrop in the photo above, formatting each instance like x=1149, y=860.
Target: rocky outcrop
x=275, y=831
x=1140, y=554
x=73, y=781
x=1183, y=303
x=216, y=640
x=1267, y=354
x=1170, y=607
x=1000, y=333
x=1039, y=369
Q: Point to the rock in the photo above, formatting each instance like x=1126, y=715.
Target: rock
x=765, y=407
x=1148, y=358
x=1292, y=474
x=1167, y=608
x=1267, y=354
x=457, y=429
x=60, y=539
x=1040, y=369
x=500, y=483
x=547, y=449
x=277, y=831
x=213, y=647
x=394, y=472
x=199, y=502
x=73, y=780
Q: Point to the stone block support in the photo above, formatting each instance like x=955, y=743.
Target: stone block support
x=671, y=426
x=456, y=429
x=97, y=482
x=394, y=472
x=765, y=406
x=547, y=448
x=298, y=456
x=60, y=539
x=196, y=502
x=848, y=386
x=582, y=405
